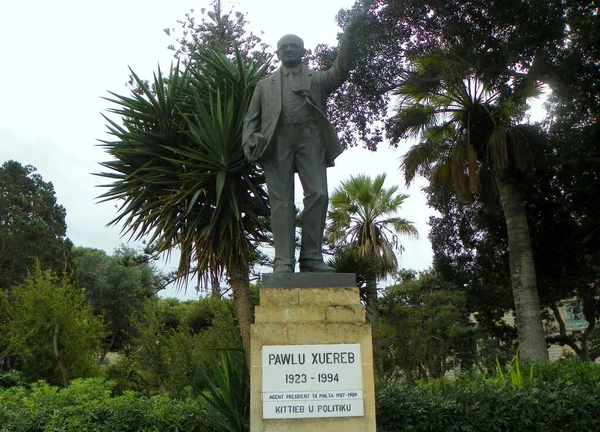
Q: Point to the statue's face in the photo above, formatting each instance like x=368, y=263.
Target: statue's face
x=290, y=54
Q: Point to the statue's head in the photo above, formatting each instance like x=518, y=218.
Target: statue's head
x=290, y=50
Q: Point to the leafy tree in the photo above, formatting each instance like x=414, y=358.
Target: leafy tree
x=565, y=213
x=175, y=343
x=363, y=215
x=423, y=327
x=180, y=172
x=501, y=37
x=469, y=242
x=571, y=194
x=470, y=249
x=572, y=67
x=510, y=44
x=32, y=225
x=51, y=329
x=218, y=31
x=116, y=287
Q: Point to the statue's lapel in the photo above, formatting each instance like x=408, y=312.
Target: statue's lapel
x=306, y=77
x=275, y=90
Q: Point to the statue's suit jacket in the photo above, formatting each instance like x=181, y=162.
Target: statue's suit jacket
x=263, y=113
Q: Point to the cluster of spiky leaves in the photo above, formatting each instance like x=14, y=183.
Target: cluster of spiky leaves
x=178, y=169
x=227, y=402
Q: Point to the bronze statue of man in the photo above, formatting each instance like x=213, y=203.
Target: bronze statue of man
x=286, y=130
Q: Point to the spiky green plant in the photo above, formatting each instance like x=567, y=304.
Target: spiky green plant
x=226, y=402
x=348, y=259
x=179, y=174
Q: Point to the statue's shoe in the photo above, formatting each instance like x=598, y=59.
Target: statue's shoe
x=284, y=268
x=316, y=267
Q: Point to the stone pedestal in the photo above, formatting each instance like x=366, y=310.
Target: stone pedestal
x=311, y=309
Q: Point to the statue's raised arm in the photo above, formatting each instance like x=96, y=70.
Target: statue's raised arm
x=286, y=130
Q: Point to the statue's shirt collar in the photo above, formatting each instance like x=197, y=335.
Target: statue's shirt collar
x=293, y=70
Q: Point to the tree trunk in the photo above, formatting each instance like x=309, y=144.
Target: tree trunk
x=590, y=306
x=371, y=307
x=530, y=329
x=110, y=345
x=409, y=375
x=215, y=287
x=240, y=287
x=61, y=366
x=371, y=299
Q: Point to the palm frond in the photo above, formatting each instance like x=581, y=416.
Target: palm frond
x=419, y=158
x=362, y=215
x=464, y=122
x=411, y=120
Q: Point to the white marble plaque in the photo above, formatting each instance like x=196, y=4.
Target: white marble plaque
x=309, y=381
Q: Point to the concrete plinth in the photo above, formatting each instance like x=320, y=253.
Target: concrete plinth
x=328, y=314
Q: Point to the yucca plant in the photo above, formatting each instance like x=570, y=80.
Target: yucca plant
x=226, y=401
x=179, y=172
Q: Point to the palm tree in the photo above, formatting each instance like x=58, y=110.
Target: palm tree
x=470, y=136
x=362, y=216
x=179, y=172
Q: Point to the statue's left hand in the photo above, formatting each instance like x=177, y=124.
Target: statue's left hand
x=252, y=146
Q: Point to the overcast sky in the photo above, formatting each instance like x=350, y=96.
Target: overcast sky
x=59, y=58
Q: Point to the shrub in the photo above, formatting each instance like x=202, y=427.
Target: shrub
x=87, y=405
x=558, y=397
x=175, y=345
x=50, y=330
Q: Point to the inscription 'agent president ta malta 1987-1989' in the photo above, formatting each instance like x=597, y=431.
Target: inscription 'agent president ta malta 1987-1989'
x=286, y=130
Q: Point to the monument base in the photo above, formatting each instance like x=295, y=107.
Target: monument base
x=327, y=313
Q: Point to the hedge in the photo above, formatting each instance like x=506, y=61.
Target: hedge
x=560, y=398
x=87, y=405
x=553, y=397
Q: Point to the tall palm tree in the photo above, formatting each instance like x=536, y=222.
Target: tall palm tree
x=362, y=216
x=470, y=136
x=179, y=172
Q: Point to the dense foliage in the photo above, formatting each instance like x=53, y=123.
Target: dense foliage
x=484, y=407
x=87, y=405
x=115, y=287
x=510, y=47
x=423, y=330
x=174, y=344
x=552, y=397
x=184, y=369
